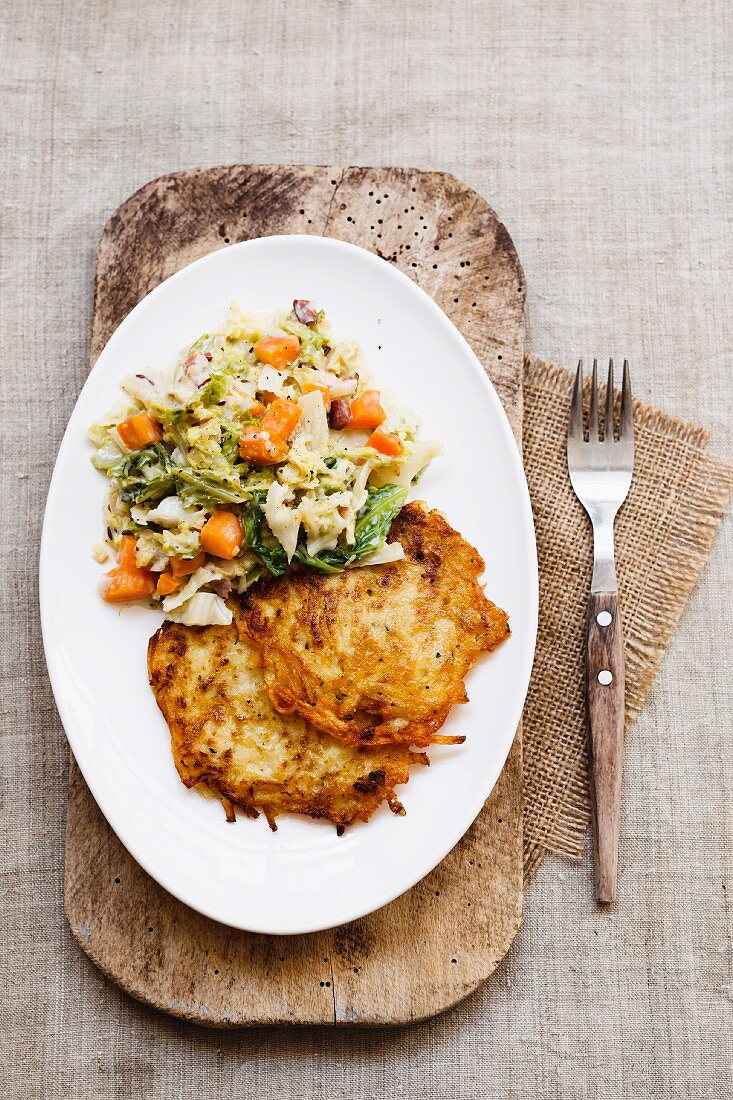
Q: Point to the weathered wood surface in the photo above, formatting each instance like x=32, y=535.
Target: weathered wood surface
x=431, y=947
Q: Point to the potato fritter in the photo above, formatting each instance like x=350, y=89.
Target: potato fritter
x=226, y=736
x=377, y=655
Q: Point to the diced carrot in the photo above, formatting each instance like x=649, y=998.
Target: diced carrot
x=387, y=443
x=222, y=535
x=167, y=583
x=126, y=554
x=268, y=396
x=278, y=351
x=138, y=431
x=121, y=585
x=257, y=409
x=366, y=412
x=183, y=566
x=281, y=417
x=312, y=387
x=262, y=447
x=126, y=581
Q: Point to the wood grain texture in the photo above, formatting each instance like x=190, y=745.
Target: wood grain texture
x=606, y=704
x=431, y=947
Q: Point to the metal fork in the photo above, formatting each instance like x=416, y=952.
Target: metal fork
x=600, y=472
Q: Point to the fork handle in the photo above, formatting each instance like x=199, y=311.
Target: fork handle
x=605, y=705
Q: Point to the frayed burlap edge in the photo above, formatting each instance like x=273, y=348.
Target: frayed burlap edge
x=658, y=571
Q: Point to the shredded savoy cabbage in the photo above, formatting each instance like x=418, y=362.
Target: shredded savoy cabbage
x=263, y=448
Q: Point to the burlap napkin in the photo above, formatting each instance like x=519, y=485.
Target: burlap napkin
x=663, y=536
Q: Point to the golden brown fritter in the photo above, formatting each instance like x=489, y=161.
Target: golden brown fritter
x=226, y=736
x=377, y=655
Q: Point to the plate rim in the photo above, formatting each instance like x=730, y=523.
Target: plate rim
x=116, y=820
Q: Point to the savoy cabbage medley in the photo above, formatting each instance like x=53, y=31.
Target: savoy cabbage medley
x=263, y=448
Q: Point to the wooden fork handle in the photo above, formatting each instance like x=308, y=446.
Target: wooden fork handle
x=604, y=692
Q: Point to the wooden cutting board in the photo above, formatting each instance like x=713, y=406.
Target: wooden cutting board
x=431, y=947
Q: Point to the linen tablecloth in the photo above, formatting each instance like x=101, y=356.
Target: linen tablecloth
x=601, y=134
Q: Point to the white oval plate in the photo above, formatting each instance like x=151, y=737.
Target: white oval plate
x=303, y=877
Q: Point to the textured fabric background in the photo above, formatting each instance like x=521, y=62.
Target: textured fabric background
x=602, y=135
x=663, y=534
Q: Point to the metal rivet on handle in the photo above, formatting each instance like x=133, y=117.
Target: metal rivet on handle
x=604, y=618
x=605, y=677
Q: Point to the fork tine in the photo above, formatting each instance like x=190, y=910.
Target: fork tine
x=575, y=426
x=593, y=420
x=626, y=430
x=608, y=421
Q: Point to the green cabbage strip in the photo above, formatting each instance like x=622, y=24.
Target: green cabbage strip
x=144, y=475
x=311, y=340
x=149, y=475
x=253, y=520
x=370, y=531
x=207, y=488
x=216, y=387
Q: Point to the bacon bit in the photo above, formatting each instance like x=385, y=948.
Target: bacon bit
x=306, y=312
x=326, y=349
x=223, y=587
x=340, y=414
